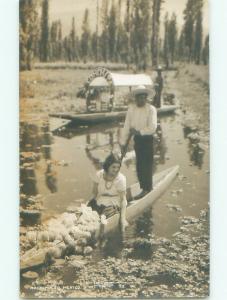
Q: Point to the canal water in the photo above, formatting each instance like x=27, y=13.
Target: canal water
x=67, y=156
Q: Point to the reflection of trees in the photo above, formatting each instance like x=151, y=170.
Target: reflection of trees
x=196, y=154
x=47, y=141
x=71, y=129
x=34, y=139
x=144, y=224
x=137, y=237
x=30, y=142
x=28, y=180
x=95, y=141
x=113, y=245
x=51, y=179
x=140, y=236
x=95, y=161
x=160, y=148
x=195, y=149
x=50, y=174
x=30, y=137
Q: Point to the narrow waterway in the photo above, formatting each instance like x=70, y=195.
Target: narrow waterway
x=68, y=156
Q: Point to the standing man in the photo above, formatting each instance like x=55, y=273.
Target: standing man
x=158, y=87
x=141, y=122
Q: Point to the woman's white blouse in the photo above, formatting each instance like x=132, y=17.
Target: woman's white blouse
x=108, y=191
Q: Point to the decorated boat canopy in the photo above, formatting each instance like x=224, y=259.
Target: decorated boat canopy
x=102, y=77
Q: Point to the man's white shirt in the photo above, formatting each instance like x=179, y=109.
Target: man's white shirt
x=143, y=119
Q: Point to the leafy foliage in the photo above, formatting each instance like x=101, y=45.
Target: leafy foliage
x=28, y=28
x=126, y=31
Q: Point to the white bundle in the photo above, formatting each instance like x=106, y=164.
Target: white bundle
x=43, y=236
x=56, y=251
x=68, y=219
x=31, y=236
x=68, y=230
x=75, y=232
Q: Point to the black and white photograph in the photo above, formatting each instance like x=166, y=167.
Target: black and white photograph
x=114, y=138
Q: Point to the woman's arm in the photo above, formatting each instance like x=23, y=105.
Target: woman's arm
x=123, y=205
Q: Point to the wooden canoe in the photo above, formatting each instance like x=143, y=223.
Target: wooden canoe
x=162, y=180
x=104, y=117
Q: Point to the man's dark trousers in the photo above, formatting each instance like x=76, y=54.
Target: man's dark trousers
x=144, y=160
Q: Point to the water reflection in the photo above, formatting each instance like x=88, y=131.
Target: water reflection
x=196, y=149
x=51, y=178
x=30, y=137
x=107, y=139
x=160, y=147
x=30, y=142
x=144, y=224
x=71, y=130
x=97, y=163
x=196, y=154
x=29, y=184
x=35, y=143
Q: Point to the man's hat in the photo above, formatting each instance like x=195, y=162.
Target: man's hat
x=141, y=89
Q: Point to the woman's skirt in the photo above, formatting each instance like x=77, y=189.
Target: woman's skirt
x=108, y=211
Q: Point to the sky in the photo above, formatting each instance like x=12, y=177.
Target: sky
x=66, y=9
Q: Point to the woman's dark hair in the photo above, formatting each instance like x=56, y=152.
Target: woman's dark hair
x=111, y=159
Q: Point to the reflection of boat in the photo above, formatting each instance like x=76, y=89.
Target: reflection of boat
x=162, y=180
x=70, y=130
x=101, y=117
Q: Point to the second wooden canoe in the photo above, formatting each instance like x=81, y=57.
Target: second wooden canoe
x=104, y=117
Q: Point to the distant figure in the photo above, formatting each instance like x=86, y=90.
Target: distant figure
x=158, y=88
x=141, y=122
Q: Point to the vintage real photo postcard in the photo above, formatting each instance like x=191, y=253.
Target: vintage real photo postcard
x=114, y=148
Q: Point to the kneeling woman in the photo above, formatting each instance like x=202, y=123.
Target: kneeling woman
x=109, y=190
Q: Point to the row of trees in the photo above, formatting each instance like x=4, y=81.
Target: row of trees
x=132, y=37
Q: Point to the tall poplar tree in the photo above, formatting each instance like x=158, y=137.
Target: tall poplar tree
x=181, y=54
x=44, y=40
x=198, y=38
x=95, y=36
x=85, y=37
x=156, y=9
x=74, y=42
x=205, y=52
x=140, y=32
x=191, y=14
x=28, y=33
x=104, y=35
x=112, y=27
x=128, y=31
x=118, y=21
x=166, y=52
x=172, y=33
x=60, y=42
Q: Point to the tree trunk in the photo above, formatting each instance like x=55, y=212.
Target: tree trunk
x=128, y=34
x=155, y=31
x=97, y=31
